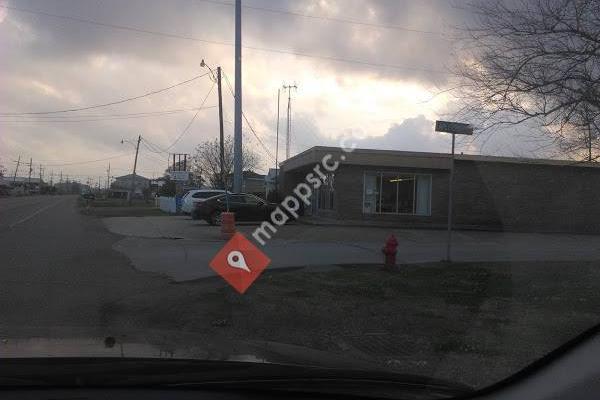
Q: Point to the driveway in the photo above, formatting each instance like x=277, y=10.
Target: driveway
x=181, y=248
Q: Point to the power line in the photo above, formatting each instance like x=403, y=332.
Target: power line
x=153, y=158
x=265, y=148
x=331, y=19
x=221, y=43
x=192, y=120
x=88, y=161
x=92, y=117
x=154, y=148
x=111, y=103
x=54, y=121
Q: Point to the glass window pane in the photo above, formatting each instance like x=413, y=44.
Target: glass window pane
x=406, y=194
x=235, y=198
x=249, y=199
x=370, y=194
x=389, y=193
x=423, y=195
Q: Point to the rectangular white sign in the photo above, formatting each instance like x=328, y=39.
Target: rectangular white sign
x=180, y=175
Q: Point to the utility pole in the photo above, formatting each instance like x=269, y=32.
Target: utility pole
x=589, y=143
x=41, y=171
x=17, y=169
x=137, y=149
x=60, y=176
x=221, y=136
x=237, y=136
x=277, y=148
x=30, y=171
x=108, y=177
x=288, y=138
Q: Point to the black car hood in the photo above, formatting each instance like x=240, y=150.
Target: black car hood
x=110, y=362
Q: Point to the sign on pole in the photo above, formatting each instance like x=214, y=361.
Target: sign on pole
x=457, y=128
x=182, y=176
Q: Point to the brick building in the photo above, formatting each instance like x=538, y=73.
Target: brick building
x=411, y=189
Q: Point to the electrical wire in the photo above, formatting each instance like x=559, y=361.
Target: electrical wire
x=221, y=43
x=150, y=149
x=326, y=18
x=153, y=158
x=111, y=103
x=265, y=148
x=154, y=148
x=91, y=118
x=88, y=161
x=192, y=120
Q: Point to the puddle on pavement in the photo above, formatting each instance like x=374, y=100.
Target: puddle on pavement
x=106, y=347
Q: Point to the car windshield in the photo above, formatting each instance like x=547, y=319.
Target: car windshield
x=205, y=195
x=412, y=186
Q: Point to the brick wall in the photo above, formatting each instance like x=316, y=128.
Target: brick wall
x=527, y=197
x=487, y=195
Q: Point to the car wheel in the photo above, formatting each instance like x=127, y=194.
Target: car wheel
x=216, y=218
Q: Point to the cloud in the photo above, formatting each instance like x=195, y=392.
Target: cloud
x=412, y=134
x=51, y=63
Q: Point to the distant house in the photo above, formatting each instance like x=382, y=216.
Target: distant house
x=26, y=184
x=121, y=186
x=252, y=182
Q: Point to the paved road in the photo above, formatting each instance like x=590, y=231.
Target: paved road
x=150, y=244
x=61, y=277
x=58, y=269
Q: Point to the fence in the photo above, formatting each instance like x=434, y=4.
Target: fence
x=168, y=204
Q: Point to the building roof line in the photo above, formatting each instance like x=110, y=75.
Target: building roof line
x=441, y=156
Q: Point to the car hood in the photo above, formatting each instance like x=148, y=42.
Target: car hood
x=170, y=346
x=112, y=361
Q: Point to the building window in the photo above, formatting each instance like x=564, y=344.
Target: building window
x=326, y=193
x=388, y=187
x=396, y=193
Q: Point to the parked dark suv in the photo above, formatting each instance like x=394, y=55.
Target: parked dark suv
x=246, y=207
x=88, y=196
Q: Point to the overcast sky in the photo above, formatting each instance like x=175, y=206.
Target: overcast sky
x=378, y=78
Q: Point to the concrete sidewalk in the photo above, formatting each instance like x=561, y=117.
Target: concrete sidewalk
x=182, y=248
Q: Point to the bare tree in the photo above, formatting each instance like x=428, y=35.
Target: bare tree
x=535, y=61
x=206, y=161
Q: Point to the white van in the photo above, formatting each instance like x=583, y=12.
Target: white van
x=195, y=196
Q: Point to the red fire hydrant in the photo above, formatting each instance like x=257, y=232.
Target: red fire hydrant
x=389, y=250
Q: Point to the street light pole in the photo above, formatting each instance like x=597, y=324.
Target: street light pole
x=237, y=134
x=450, y=193
x=455, y=128
x=277, y=148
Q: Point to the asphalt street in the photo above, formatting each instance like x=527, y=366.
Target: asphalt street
x=65, y=278
x=59, y=272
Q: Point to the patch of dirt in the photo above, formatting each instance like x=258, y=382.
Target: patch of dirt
x=474, y=323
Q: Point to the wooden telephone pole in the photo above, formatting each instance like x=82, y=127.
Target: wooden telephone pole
x=137, y=149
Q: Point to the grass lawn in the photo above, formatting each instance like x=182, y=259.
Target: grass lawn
x=119, y=208
x=473, y=323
